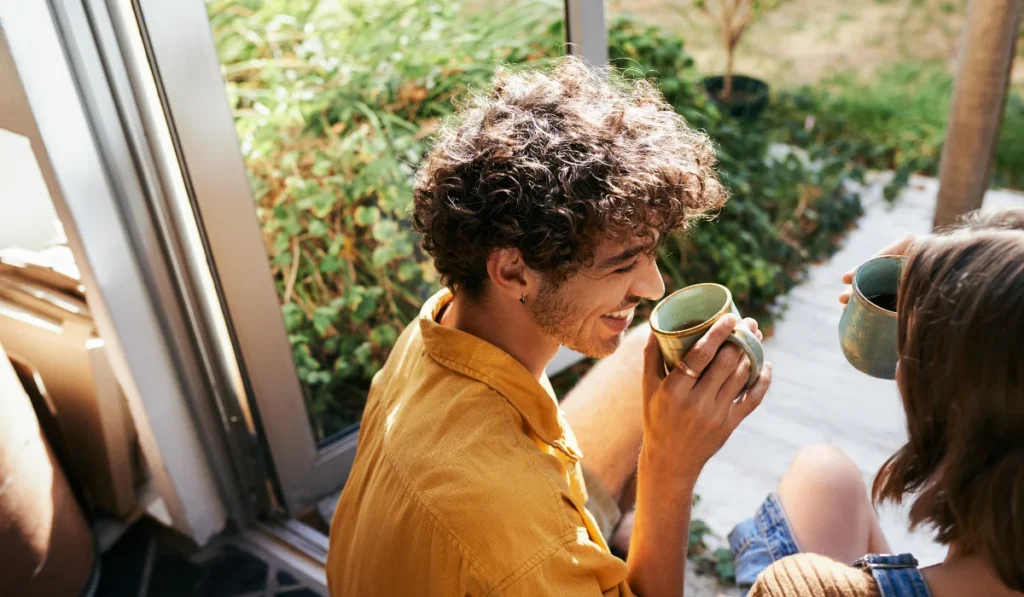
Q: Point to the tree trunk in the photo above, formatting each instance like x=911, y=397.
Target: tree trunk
x=727, y=86
x=986, y=56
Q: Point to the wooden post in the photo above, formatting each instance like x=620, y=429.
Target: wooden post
x=586, y=32
x=986, y=56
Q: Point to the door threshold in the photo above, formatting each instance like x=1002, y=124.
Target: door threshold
x=291, y=545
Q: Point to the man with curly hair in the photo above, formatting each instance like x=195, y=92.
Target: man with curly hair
x=542, y=207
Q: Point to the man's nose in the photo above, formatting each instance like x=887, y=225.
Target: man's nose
x=649, y=284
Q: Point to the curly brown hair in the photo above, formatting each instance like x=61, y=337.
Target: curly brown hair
x=550, y=163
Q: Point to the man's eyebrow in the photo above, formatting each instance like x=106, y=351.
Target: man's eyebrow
x=625, y=256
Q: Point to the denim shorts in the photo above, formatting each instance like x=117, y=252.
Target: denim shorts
x=759, y=541
x=895, y=575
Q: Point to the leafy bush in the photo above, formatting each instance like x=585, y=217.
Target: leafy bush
x=784, y=212
x=335, y=107
x=1008, y=167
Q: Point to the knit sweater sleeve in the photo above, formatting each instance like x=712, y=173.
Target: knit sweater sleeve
x=811, y=575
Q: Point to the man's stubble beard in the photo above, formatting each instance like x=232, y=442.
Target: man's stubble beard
x=560, y=319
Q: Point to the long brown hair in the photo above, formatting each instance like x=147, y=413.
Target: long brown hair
x=961, y=376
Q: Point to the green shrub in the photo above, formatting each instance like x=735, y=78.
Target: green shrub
x=783, y=214
x=335, y=107
x=1008, y=168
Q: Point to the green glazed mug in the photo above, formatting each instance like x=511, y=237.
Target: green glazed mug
x=684, y=316
x=868, y=327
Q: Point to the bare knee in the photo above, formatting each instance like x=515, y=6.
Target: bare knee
x=826, y=501
x=826, y=470
x=822, y=458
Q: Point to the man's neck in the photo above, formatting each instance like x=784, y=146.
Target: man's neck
x=511, y=330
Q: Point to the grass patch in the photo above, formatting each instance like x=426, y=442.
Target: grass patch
x=895, y=120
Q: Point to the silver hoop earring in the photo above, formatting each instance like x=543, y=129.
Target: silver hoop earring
x=522, y=299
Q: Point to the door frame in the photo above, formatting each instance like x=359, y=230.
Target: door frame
x=97, y=175
x=187, y=73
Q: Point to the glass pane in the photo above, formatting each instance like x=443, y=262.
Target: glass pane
x=335, y=102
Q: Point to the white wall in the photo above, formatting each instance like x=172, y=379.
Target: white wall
x=27, y=217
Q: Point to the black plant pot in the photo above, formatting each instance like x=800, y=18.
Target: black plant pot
x=749, y=96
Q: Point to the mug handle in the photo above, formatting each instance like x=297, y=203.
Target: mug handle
x=748, y=342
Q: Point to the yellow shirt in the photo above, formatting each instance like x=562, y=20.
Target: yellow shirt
x=466, y=482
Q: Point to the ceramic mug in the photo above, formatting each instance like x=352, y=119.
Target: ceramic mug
x=684, y=316
x=868, y=327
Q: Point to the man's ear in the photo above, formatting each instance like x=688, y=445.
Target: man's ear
x=509, y=276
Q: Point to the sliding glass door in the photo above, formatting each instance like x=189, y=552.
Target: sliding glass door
x=296, y=127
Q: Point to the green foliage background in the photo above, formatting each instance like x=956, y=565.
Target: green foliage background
x=895, y=121
x=335, y=104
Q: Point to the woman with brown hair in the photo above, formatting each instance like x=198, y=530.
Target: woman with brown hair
x=961, y=378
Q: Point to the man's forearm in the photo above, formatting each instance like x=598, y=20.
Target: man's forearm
x=657, y=550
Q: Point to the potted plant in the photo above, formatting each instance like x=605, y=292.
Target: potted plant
x=738, y=95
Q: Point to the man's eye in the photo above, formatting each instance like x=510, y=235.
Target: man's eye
x=627, y=269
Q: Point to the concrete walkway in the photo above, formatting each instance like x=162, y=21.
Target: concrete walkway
x=816, y=395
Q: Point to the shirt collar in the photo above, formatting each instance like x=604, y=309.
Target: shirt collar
x=486, y=363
